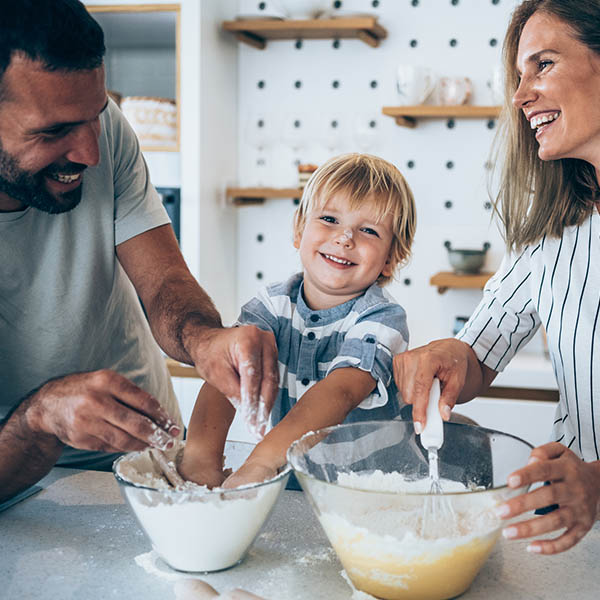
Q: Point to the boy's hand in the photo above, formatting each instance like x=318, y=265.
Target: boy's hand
x=203, y=471
x=252, y=471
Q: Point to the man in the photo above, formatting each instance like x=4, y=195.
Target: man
x=82, y=235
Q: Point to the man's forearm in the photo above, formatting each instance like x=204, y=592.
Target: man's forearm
x=178, y=312
x=25, y=455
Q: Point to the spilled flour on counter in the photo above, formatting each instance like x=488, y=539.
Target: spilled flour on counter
x=377, y=537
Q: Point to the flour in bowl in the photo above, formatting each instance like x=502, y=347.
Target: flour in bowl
x=377, y=536
x=195, y=529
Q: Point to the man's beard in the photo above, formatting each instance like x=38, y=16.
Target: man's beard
x=30, y=189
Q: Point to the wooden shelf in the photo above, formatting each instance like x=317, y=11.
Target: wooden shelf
x=177, y=369
x=257, y=195
x=256, y=32
x=406, y=116
x=445, y=280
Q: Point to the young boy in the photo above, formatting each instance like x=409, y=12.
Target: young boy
x=336, y=329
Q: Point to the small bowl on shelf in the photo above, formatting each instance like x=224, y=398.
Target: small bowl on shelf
x=466, y=261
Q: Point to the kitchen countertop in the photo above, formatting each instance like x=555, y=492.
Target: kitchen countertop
x=78, y=539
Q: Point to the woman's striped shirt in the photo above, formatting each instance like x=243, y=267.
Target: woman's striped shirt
x=555, y=283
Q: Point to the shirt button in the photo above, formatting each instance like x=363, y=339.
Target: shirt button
x=370, y=341
x=305, y=381
x=311, y=335
x=314, y=318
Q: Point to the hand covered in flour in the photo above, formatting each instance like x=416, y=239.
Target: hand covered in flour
x=241, y=362
x=202, y=470
x=574, y=486
x=252, y=471
x=101, y=410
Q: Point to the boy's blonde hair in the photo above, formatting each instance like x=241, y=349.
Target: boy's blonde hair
x=364, y=178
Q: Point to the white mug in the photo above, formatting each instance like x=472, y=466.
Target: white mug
x=453, y=91
x=414, y=84
x=496, y=85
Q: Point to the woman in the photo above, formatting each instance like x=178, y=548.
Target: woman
x=548, y=201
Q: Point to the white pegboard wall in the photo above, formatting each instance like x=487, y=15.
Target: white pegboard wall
x=317, y=82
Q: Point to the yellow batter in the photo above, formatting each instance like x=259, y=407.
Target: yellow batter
x=436, y=577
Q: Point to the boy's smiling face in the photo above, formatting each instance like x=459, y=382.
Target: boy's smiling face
x=343, y=251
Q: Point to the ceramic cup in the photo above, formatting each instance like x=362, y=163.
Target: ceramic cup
x=496, y=85
x=452, y=91
x=414, y=84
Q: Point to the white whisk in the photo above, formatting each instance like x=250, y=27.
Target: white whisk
x=438, y=514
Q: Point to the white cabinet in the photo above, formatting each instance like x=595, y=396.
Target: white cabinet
x=177, y=50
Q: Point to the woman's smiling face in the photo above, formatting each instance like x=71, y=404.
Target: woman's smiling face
x=559, y=90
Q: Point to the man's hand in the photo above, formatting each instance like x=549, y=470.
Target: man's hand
x=241, y=362
x=102, y=411
x=574, y=486
x=252, y=471
x=453, y=362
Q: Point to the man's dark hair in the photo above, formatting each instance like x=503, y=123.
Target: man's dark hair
x=60, y=34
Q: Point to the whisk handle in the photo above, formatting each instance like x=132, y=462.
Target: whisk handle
x=433, y=433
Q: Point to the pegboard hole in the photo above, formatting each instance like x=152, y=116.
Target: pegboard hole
x=298, y=45
x=495, y=2
x=493, y=42
x=337, y=4
x=453, y=43
x=454, y=2
x=297, y=84
x=296, y=201
x=297, y=124
x=410, y=164
x=375, y=3
x=414, y=43
x=491, y=124
x=262, y=5
x=487, y=205
x=450, y=124
x=336, y=44
x=373, y=84
x=260, y=237
x=415, y=3
x=261, y=84
x=334, y=124
x=259, y=275
x=407, y=281
x=335, y=84
x=448, y=204
x=372, y=123
x=449, y=165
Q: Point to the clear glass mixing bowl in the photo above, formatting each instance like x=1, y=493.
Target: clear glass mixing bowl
x=197, y=530
x=368, y=484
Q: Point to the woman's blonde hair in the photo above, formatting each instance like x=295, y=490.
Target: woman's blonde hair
x=364, y=178
x=539, y=198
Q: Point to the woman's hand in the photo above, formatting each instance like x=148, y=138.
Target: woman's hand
x=453, y=362
x=574, y=486
x=252, y=471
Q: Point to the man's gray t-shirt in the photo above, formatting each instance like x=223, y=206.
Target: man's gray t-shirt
x=66, y=304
